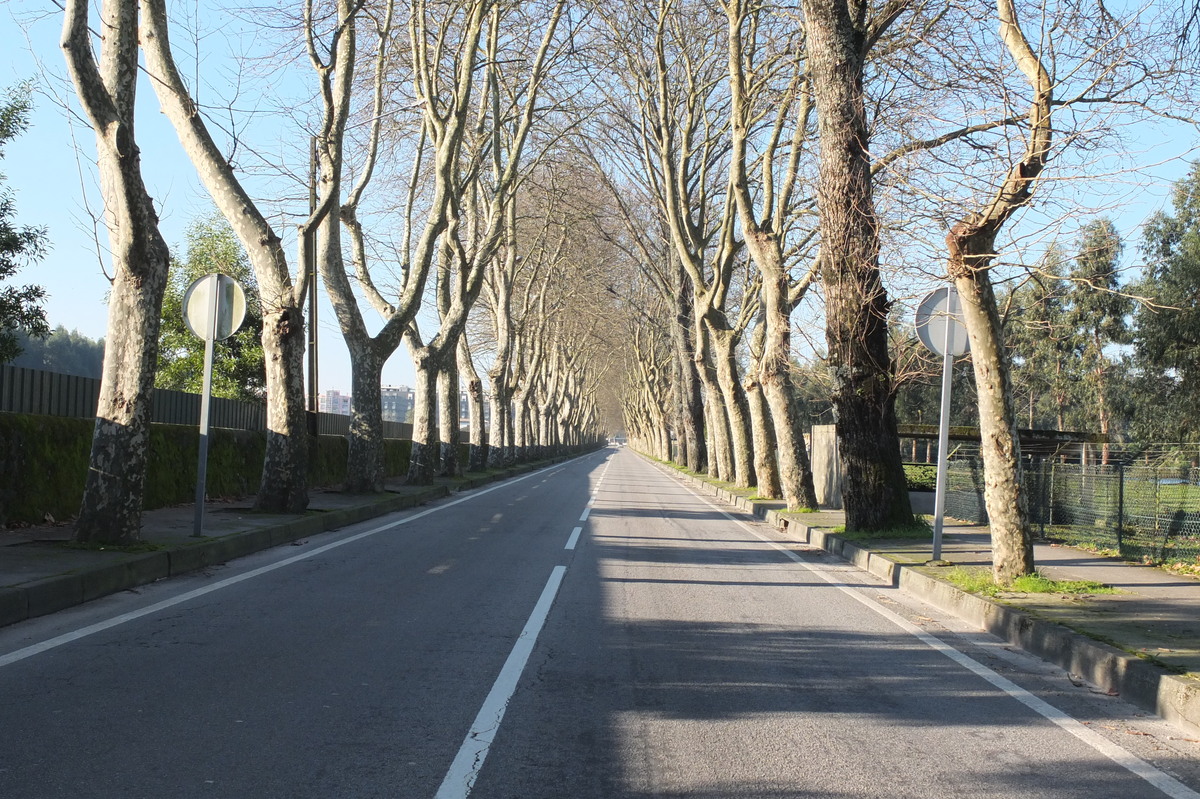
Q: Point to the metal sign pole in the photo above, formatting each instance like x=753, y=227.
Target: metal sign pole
x=939, y=497
x=202, y=465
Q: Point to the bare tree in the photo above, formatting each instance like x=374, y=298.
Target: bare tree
x=114, y=489
x=769, y=213
x=839, y=36
x=485, y=182
x=676, y=77
x=284, y=486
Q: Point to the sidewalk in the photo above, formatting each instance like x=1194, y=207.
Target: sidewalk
x=1142, y=643
x=41, y=573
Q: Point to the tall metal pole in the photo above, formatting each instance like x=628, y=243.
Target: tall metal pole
x=311, y=266
x=939, y=500
x=210, y=335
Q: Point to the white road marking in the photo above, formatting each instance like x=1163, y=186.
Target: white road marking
x=586, y=513
x=107, y=624
x=1122, y=757
x=574, y=539
x=464, y=770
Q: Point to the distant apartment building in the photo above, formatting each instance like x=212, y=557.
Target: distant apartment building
x=398, y=401
x=334, y=401
x=397, y=404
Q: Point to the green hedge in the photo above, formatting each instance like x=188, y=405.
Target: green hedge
x=43, y=464
x=921, y=476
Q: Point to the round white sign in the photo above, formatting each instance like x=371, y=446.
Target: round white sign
x=940, y=308
x=214, y=306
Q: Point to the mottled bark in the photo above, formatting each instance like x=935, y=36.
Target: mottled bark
x=971, y=245
x=1003, y=494
x=734, y=401
x=775, y=375
x=284, y=485
x=692, y=421
x=765, y=215
x=423, y=462
x=766, y=471
x=477, y=455
x=449, y=431
x=115, y=484
x=856, y=305
x=364, y=464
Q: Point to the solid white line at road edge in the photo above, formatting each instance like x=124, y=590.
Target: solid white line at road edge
x=1122, y=757
x=474, y=750
x=91, y=629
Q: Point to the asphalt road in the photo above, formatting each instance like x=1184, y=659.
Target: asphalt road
x=590, y=630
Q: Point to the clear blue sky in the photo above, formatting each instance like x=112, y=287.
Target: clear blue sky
x=49, y=168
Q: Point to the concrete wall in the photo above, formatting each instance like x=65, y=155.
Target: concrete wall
x=826, y=466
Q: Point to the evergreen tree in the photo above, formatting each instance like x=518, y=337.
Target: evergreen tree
x=67, y=352
x=238, y=369
x=20, y=307
x=1166, y=337
x=1097, y=316
x=1040, y=341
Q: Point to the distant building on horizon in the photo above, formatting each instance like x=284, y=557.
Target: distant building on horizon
x=334, y=401
x=398, y=402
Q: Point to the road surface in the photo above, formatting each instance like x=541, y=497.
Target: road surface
x=590, y=630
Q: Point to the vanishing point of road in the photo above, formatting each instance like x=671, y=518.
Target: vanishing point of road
x=594, y=629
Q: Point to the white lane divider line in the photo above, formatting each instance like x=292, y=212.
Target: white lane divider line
x=574, y=539
x=1122, y=757
x=467, y=763
x=91, y=629
x=586, y=512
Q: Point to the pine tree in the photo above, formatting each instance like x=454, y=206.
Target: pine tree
x=1166, y=361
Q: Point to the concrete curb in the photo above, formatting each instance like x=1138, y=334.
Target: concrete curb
x=1144, y=684
x=59, y=592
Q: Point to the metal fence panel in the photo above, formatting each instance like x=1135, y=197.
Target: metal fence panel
x=35, y=391
x=1144, y=513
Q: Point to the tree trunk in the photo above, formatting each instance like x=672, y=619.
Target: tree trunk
x=364, y=464
x=1012, y=545
x=692, y=428
x=477, y=456
x=449, y=429
x=720, y=457
x=734, y=400
x=875, y=495
x=500, y=429
x=284, y=486
x=795, y=471
x=766, y=469
x=971, y=245
x=520, y=424
x=114, y=488
x=422, y=463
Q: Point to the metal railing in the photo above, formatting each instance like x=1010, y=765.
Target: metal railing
x=34, y=391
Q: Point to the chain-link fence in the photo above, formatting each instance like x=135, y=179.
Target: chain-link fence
x=1149, y=513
